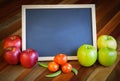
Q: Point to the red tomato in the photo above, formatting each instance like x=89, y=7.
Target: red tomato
x=67, y=68
x=61, y=59
x=52, y=66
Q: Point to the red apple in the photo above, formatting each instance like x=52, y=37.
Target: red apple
x=13, y=40
x=28, y=58
x=12, y=55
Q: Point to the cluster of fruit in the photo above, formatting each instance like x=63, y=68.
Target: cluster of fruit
x=106, y=53
x=54, y=66
x=13, y=55
x=28, y=58
x=87, y=55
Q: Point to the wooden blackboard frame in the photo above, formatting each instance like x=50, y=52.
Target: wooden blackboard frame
x=93, y=22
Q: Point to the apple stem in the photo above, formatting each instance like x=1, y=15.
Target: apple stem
x=13, y=37
x=88, y=47
x=29, y=50
x=108, y=38
x=9, y=48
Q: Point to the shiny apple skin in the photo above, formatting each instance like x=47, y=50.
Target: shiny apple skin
x=28, y=58
x=13, y=40
x=12, y=55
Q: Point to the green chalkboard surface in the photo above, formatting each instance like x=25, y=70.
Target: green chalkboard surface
x=54, y=29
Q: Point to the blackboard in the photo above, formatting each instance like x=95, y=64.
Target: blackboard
x=54, y=29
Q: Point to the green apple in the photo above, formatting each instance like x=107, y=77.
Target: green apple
x=107, y=56
x=106, y=41
x=87, y=55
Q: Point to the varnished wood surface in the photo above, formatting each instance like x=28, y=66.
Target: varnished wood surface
x=108, y=22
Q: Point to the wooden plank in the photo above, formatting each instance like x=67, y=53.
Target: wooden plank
x=111, y=25
x=103, y=12
x=102, y=9
x=116, y=31
x=11, y=72
x=114, y=76
x=34, y=72
x=84, y=73
x=46, y=2
x=3, y=64
x=12, y=7
x=101, y=23
x=23, y=75
x=68, y=1
x=15, y=25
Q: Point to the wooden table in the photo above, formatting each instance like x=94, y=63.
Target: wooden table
x=108, y=22
x=96, y=72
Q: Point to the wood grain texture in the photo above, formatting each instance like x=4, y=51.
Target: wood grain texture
x=114, y=76
x=111, y=25
x=107, y=9
x=101, y=73
x=108, y=22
